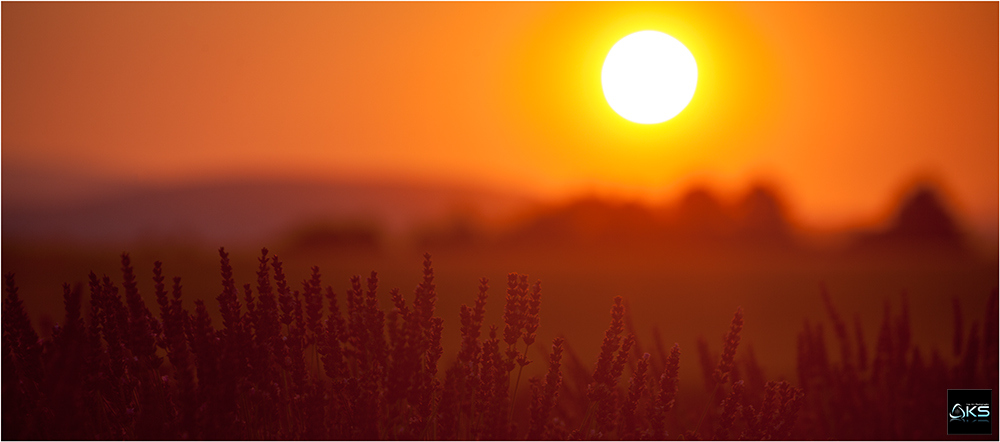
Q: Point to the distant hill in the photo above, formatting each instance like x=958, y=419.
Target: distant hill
x=248, y=212
x=322, y=215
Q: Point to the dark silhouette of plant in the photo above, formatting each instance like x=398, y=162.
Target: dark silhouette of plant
x=290, y=364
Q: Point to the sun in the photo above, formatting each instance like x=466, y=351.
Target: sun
x=649, y=77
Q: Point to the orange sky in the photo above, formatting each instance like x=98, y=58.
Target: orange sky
x=841, y=104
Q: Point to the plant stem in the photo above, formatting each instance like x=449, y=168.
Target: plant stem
x=516, y=383
x=711, y=400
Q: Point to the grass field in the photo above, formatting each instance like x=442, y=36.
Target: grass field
x=679, y=296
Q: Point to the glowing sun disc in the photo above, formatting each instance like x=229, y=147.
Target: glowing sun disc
x=649, y=77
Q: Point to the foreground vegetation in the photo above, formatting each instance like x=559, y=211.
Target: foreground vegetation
x=290, y=364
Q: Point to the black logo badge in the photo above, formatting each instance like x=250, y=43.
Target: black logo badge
x=970, y=411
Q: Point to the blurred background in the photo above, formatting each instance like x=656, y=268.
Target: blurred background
x=851, y=146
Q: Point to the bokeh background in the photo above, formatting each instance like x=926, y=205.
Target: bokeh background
x=851, y=146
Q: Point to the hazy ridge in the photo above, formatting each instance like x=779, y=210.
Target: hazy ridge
x=372, y=214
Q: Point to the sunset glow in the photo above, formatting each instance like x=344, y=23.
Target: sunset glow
x=627, y=182
x=103, y=93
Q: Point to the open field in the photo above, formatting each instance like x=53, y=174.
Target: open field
x=678, y=296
